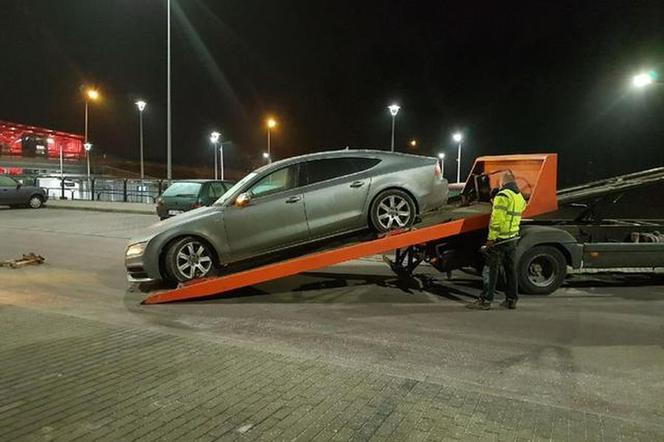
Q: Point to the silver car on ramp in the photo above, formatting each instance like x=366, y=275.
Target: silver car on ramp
x=289, y=203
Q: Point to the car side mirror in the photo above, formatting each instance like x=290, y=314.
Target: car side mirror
x=243, y=199
x=18, y=186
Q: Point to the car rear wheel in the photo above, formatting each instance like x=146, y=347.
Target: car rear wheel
x=36, y=201
x=392, y=209
x=189, y=258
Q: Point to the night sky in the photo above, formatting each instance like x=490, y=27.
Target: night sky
x=535, y=77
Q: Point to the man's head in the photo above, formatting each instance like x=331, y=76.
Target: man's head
x=506, y=178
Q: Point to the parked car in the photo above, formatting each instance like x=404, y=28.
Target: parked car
x=182, y=196
x=14, y=194
x=290, y=203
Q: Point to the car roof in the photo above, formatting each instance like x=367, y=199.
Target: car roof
x=337, y=154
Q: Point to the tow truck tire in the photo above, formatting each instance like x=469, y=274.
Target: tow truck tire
x=541, y=270
x=188, y=258
x=392, y=209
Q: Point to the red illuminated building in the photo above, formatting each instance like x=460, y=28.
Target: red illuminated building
x=20, y=140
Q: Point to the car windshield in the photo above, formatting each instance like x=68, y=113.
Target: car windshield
x=235, y=188
x=183, y=189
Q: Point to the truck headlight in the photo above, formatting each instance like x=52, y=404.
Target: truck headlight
x=135, y=250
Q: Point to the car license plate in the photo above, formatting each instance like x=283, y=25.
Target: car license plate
x=174, y=212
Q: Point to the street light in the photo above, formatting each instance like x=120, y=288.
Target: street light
x=644, y=79
x=271, y=123
x=140, y=104
x=394, y=110
x=214, y=139
x=266, y=156
x=458, y=138
x=90, y=94
x=441, y=157
x=413, y=143
x=88, y=148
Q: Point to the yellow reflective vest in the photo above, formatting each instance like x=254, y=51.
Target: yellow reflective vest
x=506, y=215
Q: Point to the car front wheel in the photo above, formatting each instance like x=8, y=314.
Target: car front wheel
x=392, y=209
x=187, y=259
x=36, y=202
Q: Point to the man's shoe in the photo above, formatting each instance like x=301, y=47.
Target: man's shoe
x=480, y=304
x=508, y=303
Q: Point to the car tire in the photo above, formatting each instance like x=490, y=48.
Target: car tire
x=542, y=270
x=36, y=202
x=392, y=209
x=189, y=258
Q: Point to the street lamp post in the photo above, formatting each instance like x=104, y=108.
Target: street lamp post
x=214, y=139
x=90, y=94
x=221, y=159
x=271, y=124
x=394, y=110
x=441, y=157
x=140, y=104
x=169, y=163
x=88, y=147
x=458, y=138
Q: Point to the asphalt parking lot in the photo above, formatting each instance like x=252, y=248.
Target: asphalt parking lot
x=348, y=352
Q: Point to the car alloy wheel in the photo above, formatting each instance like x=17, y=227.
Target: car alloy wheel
x=35, y=202
x=393, y=212
x=189, y=259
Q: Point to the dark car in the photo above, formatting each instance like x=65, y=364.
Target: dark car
x=14, y=194
x=190, y=194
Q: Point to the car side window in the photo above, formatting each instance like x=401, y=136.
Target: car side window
x=326, y=169
x=278, y=181
x=363, y=164
x=216, y=190
x=5, y=181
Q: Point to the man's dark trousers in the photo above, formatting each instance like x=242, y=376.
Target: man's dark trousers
x=502, y=253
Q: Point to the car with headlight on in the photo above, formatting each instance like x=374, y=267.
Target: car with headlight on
x=185, y=195
x=289, y=203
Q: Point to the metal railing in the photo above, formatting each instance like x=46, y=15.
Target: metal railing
x=76, y=187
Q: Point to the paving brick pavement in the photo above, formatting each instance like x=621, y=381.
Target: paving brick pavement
x=70, y=379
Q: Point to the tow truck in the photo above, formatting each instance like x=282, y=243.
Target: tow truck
x=450, y=238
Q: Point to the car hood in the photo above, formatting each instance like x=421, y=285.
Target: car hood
x=162, y=226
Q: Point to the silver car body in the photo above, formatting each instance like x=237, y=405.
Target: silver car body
x=292, y=217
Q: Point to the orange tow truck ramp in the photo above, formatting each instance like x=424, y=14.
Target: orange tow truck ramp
x=536, y=175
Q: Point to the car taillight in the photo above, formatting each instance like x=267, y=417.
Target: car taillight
x=436, y=171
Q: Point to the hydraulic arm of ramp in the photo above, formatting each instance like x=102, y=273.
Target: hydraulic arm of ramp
x=536, y=176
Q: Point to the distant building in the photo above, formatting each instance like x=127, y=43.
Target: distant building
x=28, y=149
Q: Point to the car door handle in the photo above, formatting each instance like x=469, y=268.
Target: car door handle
x=357, y=184
x=293, y=199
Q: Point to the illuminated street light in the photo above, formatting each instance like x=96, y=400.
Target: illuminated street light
x=90, y=94
x=458, y=138
x=271, y=123
x=413, y=143
x=140, y=104
x=394, y=110
x=643, y=79
x=214, y=139
x=441, y=157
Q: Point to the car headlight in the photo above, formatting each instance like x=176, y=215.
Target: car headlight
x=135, y=250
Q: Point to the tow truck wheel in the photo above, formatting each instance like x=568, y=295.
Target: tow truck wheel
x=542, y=270
x=188, y=258
x=392, y=209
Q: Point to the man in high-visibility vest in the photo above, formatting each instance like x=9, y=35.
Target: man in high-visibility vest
x=508, y=205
